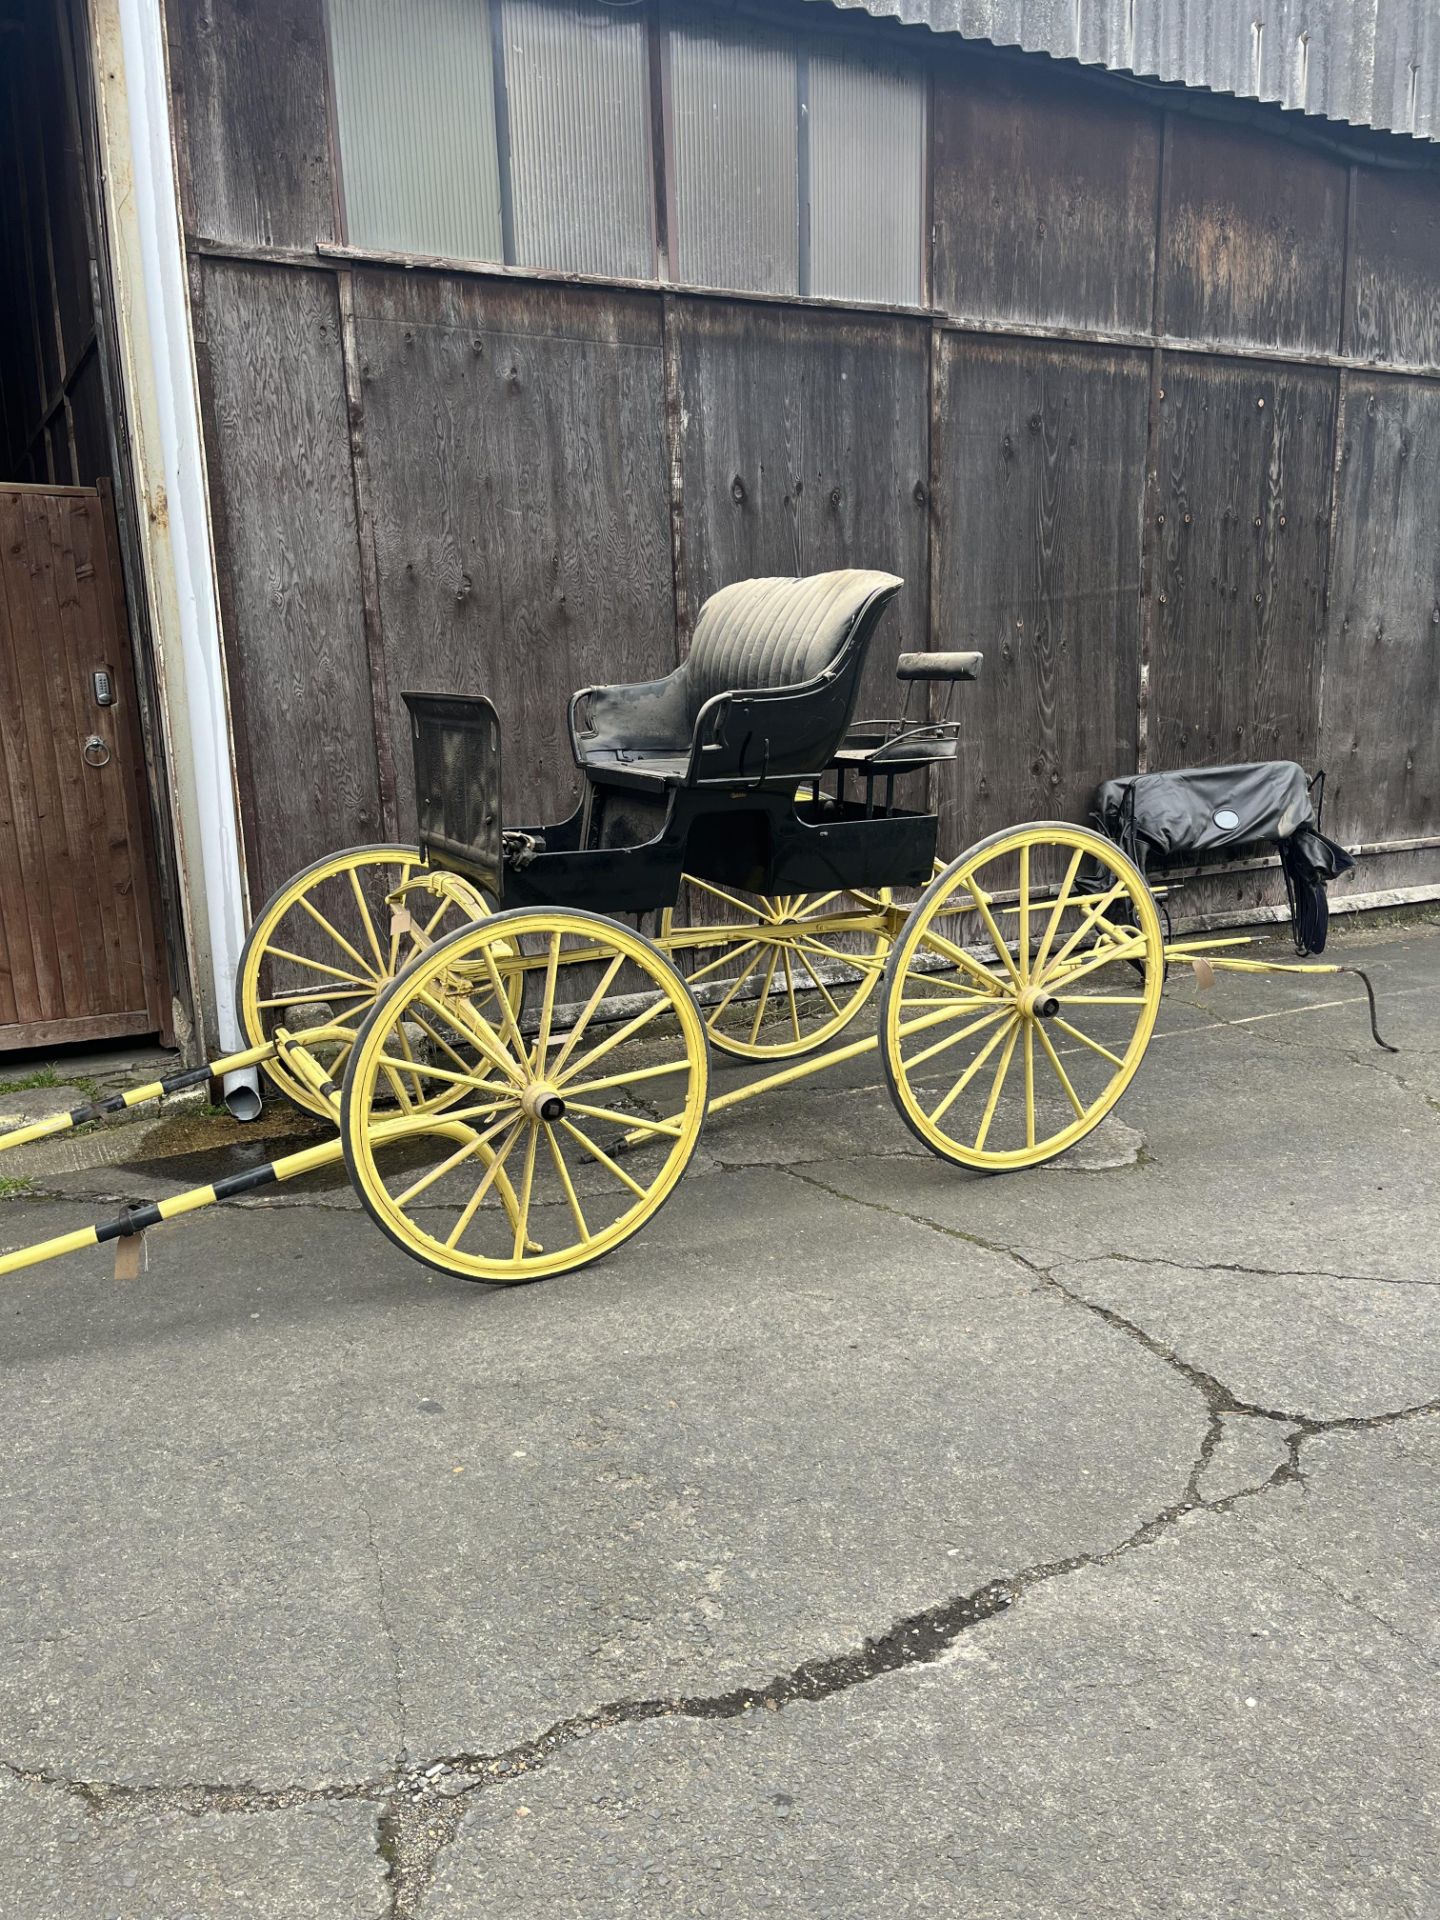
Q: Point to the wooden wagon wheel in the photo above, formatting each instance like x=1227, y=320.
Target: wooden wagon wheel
x=567, y=1123
x=806, y=963
x=326, y=945
x=1021, y=996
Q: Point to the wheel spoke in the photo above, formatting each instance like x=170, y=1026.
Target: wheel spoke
x=997, y=939
x=369, y=923
x=1089, y=914
x=1060, y=1073
x=469, y=1079
x=527, y=1186
x=1101, y=999
x=454, y=1160
x=599, y=1154
x=790, y=990
x=439, y=1040
x=1085, y=1040
x=821, y=987
x=1029, y=1083
x=472, y=1205
x=953, y=1039
x=478, y=1031
x=1052, y=925
x=319, y=966
x=301, y=998
x=1106, y=957
x=344, y=945
x=641, y=1019
x=601, y=989
x=568, y=1184
x=861, y=962
x=719, y=893
x=722, y=960
x=1024, y=918
x=995, y=1087
x=626, y=1079
x=957, y=956
x=764, y=995
x=507, y=1012
x=967, y=1076
x=811, y=905
x=547, y=1004
x=735, y=986
x=632, y=1122
x=396, y=923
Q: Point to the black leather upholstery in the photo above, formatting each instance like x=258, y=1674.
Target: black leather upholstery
x=767, y=690
x=775, y=633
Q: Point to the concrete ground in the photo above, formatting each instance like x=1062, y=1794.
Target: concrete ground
x=865, y=1538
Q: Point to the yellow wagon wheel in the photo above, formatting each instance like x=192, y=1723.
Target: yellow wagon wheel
x=327, y=944
x=575, y=1117
x=780, y=974
x=1021, y=996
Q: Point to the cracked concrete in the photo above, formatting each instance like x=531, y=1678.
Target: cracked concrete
x=864, y=1538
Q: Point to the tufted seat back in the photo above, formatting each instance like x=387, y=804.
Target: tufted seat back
x=763, y=634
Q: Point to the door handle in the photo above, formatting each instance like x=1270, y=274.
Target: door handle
x=95, y=752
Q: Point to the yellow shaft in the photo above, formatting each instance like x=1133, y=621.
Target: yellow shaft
x=139, y=1218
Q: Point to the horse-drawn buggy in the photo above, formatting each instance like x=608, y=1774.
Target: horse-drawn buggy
x=518, y=1076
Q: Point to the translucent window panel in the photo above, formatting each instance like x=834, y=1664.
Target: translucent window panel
x=734, y=201
x=577, y=84
x=867, y=180
x=415, y=104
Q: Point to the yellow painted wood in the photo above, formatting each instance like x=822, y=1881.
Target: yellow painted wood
x=780, y=943
x=1011, y=999
x=527, y=1083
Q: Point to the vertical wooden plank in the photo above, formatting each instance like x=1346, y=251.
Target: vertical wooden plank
x=29, y=725
x=380, y=698
x=138, y=805
x=19, y=994
x=1040, y=487
x=1244, y=486
x=1044, y=200
x=57, y=534
x=806, y=447
x=1393, y=295
x=1254, y=243
x=1381, y=739
x=519, y=477
x=251, y=79
x=287, y=550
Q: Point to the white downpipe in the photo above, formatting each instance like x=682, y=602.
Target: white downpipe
x=171, y=473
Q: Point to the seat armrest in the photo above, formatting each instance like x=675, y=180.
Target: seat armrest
x=938, y=666
x=648, y=717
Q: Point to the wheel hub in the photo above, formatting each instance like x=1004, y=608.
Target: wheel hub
x=541, y=1101
x=1035, y=1003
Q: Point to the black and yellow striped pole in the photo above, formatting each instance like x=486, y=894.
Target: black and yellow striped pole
x=135, y=1097
x=136, y=1219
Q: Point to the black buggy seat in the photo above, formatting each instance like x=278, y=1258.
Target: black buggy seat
x=765, y=693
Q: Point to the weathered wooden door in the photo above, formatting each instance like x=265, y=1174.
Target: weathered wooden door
x=80, y=956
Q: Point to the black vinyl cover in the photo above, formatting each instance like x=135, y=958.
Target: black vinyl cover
x=1203, y=810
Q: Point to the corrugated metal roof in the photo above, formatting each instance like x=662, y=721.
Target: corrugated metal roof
x=1370, y=63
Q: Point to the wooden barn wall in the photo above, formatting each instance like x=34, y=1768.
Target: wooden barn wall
x=1381, y=731
x=1243, y=492
x=1163, y=444
x=287, y=548
x=804, y=444
x=1039, y=484
x=514, y=455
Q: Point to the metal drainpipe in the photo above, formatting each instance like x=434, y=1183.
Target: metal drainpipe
x=171, y=477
